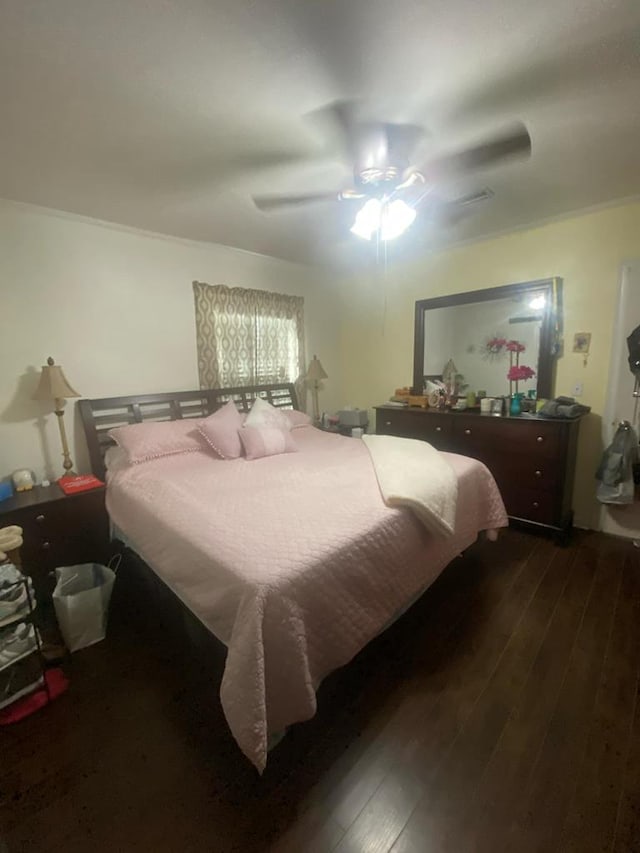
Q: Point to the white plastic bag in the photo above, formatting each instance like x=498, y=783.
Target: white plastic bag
x=81, y=600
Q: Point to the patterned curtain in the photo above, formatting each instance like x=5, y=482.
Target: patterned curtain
x=249, y=337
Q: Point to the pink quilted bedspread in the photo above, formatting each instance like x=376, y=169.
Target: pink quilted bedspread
x=293, y=561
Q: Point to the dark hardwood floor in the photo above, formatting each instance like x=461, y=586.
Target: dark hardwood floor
x=500, y=713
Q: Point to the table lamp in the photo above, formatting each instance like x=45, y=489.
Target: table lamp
x=315, y=374
x=54, y=386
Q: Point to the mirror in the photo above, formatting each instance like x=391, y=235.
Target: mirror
x=487, y=336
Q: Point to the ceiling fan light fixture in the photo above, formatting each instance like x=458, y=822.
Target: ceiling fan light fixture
x=396, y=217
x=367, y=220
x=389, y=218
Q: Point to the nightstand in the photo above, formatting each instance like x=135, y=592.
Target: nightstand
x=59, y=530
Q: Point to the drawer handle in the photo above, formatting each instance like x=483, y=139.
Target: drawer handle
x=539, y=439
x=438, y=429
x=39, y=518
x=467, y=432
x=46, y=546
x=538, y=473
x=387, y=423
x=536, y=504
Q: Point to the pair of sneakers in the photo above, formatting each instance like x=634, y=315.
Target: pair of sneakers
x=16, y=643
x=14, y=593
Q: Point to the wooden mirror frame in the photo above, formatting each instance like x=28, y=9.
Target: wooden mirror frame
x=550, y=330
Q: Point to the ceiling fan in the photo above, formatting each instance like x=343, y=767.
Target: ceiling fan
x=388, y=186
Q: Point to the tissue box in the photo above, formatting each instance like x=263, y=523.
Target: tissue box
x=353, y=417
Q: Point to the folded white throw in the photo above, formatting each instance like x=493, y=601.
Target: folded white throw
x=412, y=473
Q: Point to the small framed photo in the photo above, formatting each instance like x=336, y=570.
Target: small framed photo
x=582, y=342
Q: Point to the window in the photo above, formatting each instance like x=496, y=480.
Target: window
x=248, y=337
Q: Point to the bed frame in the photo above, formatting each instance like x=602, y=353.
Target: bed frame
x=100, y=416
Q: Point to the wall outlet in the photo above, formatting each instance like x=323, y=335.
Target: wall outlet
x=578, y=389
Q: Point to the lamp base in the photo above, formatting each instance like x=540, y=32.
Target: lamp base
x=316, y=405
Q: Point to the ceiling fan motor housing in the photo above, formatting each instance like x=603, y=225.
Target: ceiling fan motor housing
x=377, y=165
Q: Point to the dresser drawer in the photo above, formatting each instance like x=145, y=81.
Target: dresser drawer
x=530, y=504
x=535, y=439
x=529, y=473
x=400, y=422
x=477, y=437
x=431, y=427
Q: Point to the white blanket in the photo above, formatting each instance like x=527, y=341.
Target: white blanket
x=412, y=473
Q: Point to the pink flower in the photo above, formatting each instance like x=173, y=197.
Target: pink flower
x=496, y=344
x=514, y=346
x=520, y=372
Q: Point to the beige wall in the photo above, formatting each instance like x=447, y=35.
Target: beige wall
x=586, y=251
x=115, y=308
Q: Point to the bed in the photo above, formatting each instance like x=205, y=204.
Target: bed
x=293, y=562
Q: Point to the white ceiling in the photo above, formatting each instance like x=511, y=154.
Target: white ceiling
x=168, y=114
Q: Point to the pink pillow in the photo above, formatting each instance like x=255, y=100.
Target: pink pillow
x=153, y=439
x=296, y=419
x=220, y=430
x=259, y=441
x=264, y=414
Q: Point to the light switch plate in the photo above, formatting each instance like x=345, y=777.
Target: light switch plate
x=578, y=389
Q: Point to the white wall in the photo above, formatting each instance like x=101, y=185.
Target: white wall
x=114, y=306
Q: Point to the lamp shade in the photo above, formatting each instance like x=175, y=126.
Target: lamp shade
x=316, y=371
x=53, y=383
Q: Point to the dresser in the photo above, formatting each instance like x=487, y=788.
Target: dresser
x=532, y=459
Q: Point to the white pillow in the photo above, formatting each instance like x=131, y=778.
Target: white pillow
x=263, y=414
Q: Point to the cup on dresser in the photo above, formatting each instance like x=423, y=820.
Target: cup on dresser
x=485, y=405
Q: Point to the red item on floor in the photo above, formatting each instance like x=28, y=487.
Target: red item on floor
x=57, y=682
x=70, y=485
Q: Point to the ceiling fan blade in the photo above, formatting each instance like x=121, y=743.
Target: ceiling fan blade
x=274, y=202
x=515, y=142
x=338, y=122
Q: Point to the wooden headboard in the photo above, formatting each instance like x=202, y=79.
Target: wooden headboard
x=99, y=416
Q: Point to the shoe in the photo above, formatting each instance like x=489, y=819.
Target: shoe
x=16, y=643
x=9, y=575
x=15, y=602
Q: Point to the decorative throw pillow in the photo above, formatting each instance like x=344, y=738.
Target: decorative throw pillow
x=296, y=419
x=266, y=441
x=220, y=431
x=264, y=414
x=150, y=440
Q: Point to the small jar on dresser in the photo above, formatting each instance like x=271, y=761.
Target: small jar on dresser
x=59, y=530
x=531, y=458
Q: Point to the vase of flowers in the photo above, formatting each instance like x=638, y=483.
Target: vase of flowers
x=517, y=373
